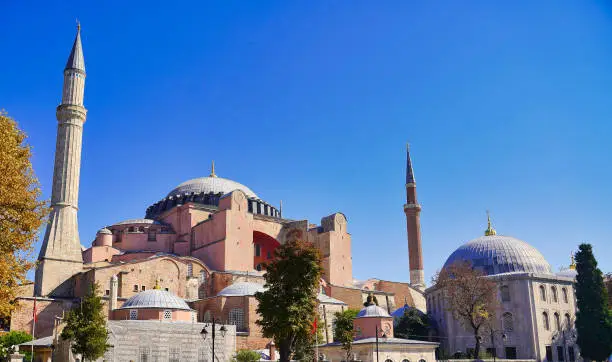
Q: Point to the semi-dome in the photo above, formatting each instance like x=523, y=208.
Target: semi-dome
x=496, y=254
x=155, y=298
x=210, y=184
x=240, y=289
x=104, y=231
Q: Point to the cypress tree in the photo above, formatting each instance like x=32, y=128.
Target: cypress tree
x=593, y=319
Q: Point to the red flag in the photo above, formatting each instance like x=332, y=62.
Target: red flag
x=314, y=326
x=34, y=314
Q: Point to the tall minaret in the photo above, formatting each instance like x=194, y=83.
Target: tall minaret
x=413, y=225
x=60, y=255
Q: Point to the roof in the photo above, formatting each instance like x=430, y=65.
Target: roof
x=399, y=312
x=409, y=171
x=241, y=289
x=329, y=300
x=137, y=221
x=155, y=298
x=41, y=342
x=76, y=59
x=104, y=231
x=496, y=254
x=386, y=341
x=372, y=311
x=210, y=184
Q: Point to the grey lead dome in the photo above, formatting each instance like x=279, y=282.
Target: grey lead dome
x=155, y=298
x=496, y=254
x=210, y=184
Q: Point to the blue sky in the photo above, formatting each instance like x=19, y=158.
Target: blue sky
x=506, y=106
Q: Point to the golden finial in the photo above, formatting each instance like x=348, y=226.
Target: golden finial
x=490, y=231
x=212, y=170
x=157, y=285
x=573, y=262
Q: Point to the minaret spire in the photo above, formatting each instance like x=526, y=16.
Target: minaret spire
x=490, y=230
x=212, y=170
x=412, y=209
x=60, y=255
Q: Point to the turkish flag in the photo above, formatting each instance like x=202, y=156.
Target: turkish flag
x=314, y=326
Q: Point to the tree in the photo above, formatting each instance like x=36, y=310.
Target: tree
x=344, y=331
x=21, y=211
x=469, y=296
x=246, y=355
x=593, y=319
x=8, y=342
x=86, y=327
x=414, y=324
x=288, y=307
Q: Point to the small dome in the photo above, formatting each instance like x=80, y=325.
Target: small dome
x=136, y=221
x=399, y=312
x=210, y=184
x=496, y=254
x=155, y=298
x=104, y=231
x=372, y=311
x=241, y=289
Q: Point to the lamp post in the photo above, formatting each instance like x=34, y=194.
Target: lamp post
x=222, y=330
x=384, y=336
x=503, y=336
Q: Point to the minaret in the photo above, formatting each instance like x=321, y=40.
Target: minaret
x=60, y=255
x=413, y=226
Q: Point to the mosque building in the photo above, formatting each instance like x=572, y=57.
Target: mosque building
x=204, y=245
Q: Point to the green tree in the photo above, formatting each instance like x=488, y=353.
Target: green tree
x=343, y=330
x=593, y=319
x=414, y=324
x=246, y=355
x=288, y=307
x=21, y=211
x=86, y=327
x=11, y=339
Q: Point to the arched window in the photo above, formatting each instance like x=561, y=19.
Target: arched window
x=505, y=293
x=557, y=321
x=554, y=294
x=545, y=321
x=388, y=360
x=508, y=322
x=422, y=360
x=405, y=360
x=564, y=292
x=131, y=229
x=568, y=321
x=236, y=317
x=141, y=229
x=542, y=293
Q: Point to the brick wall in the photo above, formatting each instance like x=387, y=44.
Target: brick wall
x=47, y=309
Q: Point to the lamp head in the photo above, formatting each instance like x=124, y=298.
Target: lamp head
x=223, y=330
x=204, y=332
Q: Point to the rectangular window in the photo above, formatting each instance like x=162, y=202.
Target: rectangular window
x=143, y=288
x=135, y=288
x=257, y=250
x=133, y=314
x=107, y=292
x=189, y=269
x=510, y=352
x=549, y=353
x=571, y=355
x=560, y=354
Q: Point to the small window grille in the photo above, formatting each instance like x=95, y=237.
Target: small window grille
x=133, y=314
x=167, y=315
x=236, y=317
x=508, y=322
x=174, y=355
x=189, y=269
x=144, y=354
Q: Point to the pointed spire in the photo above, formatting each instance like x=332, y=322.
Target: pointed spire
x=76, y=60
x=409, y=172
x=212, y=170
x=490, y=231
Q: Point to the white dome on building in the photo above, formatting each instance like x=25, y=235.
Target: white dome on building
x=155, y=298
x=372, y=311
x=212, y=185
x=241, y=289
x=496, y=254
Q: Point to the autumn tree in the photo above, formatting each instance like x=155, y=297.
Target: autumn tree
x=344, y=331
x=593, y=319
x=288, y=307
x=470, y=296
x=21, y=211
x=86, y=326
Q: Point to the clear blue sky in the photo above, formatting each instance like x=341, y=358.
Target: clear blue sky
x=506, y=105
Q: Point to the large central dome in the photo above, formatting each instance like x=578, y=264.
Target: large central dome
x=495, y=254
x=210, y=184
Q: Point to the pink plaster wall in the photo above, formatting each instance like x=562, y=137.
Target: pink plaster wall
x=366, y=327
x=239, y=248
x=153, y=314
x=99, y=253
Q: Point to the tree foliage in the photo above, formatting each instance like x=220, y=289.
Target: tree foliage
x=344, y=331
x=593, y=319
x=288, y=307
x=86, y=327
x=414, y=324
x=21, y=211
x=11, y=339
x=469, y=296
x=246, y=355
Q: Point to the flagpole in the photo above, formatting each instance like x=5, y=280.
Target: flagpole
x=33, y=327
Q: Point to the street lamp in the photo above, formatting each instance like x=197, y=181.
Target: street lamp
x=222, y=330
x=384, y=336
x=503, y=336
